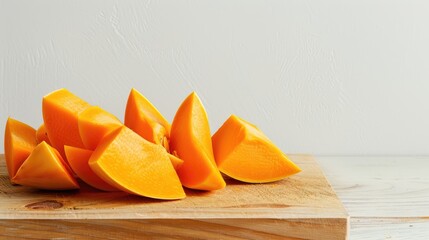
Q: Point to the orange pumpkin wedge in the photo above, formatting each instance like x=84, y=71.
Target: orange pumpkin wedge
x=60, y=114
x=44, y=169
x=95, y=123
x=42, y=135
x=244, y=153
x=190, y=139
x=130, y=163
x=142, y=117
x=78, y=159
x=19, y=141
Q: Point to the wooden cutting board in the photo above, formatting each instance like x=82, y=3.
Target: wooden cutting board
x=303, y=206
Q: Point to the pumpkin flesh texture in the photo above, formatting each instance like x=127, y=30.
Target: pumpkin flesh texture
x=45, y=169
x=94, y=124
x=60, y=115
x=19, y=141
x=244, y=153
x=142, y=117
x=130, y=163
x=190, y=139
x=78, y=159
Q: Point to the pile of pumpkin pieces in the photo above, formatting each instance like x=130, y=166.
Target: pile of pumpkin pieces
x=145, y=155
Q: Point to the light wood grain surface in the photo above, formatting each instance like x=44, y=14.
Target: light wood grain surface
x=386, y=197
x=303, y=206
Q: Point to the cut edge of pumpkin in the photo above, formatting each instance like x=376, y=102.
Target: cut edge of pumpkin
x=10, y=149
x=96, y=182
x=103, y=173
x=212, y=178
x=251, y=133
x=58, y=161
x=148, y=115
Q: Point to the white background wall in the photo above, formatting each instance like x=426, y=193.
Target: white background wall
x=322, y=77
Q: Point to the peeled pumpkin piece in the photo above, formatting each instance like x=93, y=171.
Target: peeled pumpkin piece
x=78, y=160
x=190, y=138
x=244, y=153
x=19, y=141
x=42, y=135
x=45, y=169
x=142, y=117
x=60, y=111
x=95, y=123
x=130, y=163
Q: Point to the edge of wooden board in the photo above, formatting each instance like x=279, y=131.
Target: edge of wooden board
x=329, y=229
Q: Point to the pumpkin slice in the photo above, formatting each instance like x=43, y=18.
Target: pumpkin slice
x=78, y=159
x=244, y=153
x=60, y=111
x=19, y=141
x=42, y=135
x=45, y=169
x=130, y=163
x=190, y=139
x=95, y=123
x=142, y=117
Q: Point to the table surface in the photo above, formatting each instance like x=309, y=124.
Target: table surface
x=386, y=197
